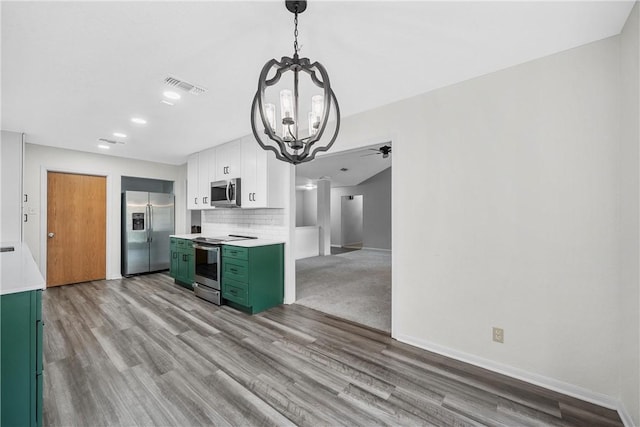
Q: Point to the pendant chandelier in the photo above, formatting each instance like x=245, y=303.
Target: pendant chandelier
x=307, y=104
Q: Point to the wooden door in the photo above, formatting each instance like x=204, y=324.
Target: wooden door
x=76, y=228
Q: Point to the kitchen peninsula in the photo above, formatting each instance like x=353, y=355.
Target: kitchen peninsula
x=21, y=287
x=243, y=272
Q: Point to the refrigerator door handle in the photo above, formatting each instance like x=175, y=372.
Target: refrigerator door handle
x=147, y=211
x=150, y=223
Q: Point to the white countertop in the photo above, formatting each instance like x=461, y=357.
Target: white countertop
x=252, y=243
x=18, y=270
x=249, y=243
x=186, y=236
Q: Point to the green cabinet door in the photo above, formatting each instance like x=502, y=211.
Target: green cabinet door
x=253, y=278
x=173, y=257
x=182, y=262
x=21, y=359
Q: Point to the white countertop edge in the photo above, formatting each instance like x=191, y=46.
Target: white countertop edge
x=18, y=270
x=249, y=243
x=186, y=236
x=254, y=243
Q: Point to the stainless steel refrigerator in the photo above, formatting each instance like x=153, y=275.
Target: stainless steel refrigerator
x=147, y=222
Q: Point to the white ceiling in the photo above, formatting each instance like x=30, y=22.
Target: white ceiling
x=361, y=164
x=73, y=72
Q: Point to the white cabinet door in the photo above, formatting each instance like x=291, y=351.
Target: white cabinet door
x=263, y=177
x=254, y=189
x=193, y=198
x=228, y=160
x=205, y=163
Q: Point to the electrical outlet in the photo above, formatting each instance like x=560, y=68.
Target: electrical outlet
x=498, y=335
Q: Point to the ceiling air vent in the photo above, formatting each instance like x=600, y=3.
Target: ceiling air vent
x=185, y=86
x=110, y=141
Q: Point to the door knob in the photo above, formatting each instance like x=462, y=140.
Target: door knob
x=51, y=235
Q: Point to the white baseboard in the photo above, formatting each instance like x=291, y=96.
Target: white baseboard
x=530, y=377
x=376, y=249
x=625, y=416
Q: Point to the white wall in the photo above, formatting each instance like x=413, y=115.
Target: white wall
x=39, y=159
x=351, y=207
x=11, y=186
x=376, y=225
x=630, y=215
x=310, y=207
x=300, y=208
x=506, y=213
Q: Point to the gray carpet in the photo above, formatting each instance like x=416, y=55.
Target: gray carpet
x=355, y=286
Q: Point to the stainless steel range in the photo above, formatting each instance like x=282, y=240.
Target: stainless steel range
x=208, y=267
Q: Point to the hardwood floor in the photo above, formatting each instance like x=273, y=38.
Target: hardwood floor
x=143, y=351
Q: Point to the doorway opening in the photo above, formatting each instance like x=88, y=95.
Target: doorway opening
x=353, y=282
x=351, y=211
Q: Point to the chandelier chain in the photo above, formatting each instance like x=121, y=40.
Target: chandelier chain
x=295, y=32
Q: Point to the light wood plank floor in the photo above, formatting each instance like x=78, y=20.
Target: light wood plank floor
x=143, y=351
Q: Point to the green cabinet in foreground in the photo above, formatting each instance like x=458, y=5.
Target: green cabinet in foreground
x=183, y=266
x=21, y=359
x=253, y=278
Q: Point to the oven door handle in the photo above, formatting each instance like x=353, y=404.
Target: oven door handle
x=228, y=188
x=207, y=248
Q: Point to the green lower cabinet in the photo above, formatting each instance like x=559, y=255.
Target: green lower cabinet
x=253, y=278
x=21, y=359
x=183, y=266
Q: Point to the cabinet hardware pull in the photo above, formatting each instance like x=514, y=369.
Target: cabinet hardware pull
x=233, y=270
x=195, y=200
x=26, y=218
x=26, y=198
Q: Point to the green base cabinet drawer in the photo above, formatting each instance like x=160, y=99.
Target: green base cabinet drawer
x=21, y=359
x=253, y=278
x=235, y=291
x=235, y=252
x=235, y=269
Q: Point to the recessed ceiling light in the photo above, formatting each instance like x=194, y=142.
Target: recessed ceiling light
x=139, y=120
x=164, y=101
x=171, y=95
x=103, y=146
x=119, y=135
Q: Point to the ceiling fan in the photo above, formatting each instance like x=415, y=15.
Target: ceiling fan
x=385, y=150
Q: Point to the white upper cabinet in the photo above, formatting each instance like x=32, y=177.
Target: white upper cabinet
x=264, y=183
x=228, y=160
x=193, y=190
x=206, y=162
x=200, y=166
x=263, y=177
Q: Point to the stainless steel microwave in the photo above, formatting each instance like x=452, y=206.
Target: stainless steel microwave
x=226, y=194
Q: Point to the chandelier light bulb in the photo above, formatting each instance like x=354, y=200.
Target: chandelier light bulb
x=286, y=107
x=270, y=113
x=313, y=123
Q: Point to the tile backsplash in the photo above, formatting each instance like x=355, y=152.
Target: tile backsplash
x=263, y=223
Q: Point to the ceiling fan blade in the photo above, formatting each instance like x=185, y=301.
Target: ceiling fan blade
x=372, y=154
